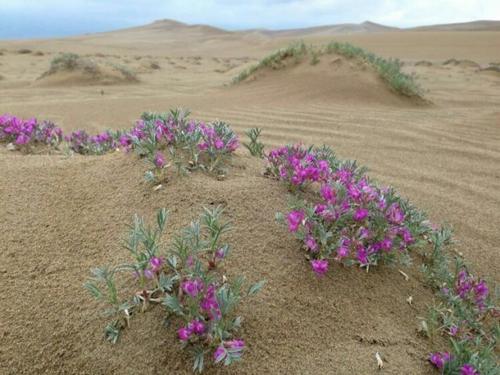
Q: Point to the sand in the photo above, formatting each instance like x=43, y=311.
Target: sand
x=61, y=216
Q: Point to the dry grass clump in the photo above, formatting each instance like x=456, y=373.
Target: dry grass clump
x=24, y=51
x=87, y=69
x=275, y=60
x=389, y=70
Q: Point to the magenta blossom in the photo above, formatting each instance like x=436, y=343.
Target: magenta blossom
x=156, y=263
x=468, y=369
x=159, y=160
x=219, y=354
x=197, y=327
x=395, y=214
x=294, y=220
x=360, y=214
x=439, y=359
x=320, y=266
x=192, y=287
x=183, y=334
x=311, y=243
x=236, y=344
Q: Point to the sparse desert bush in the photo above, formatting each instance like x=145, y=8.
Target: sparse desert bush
x=255, y=147
x=38, y=53
x=70, y=62
x=186, y=280
x=24, y=51
x=27, y=133
x=274, y=60
x=127, y=73
x=389, y=70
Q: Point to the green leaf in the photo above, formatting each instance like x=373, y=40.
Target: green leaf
x=93, y=289
x=255, y=288
x=172, y=302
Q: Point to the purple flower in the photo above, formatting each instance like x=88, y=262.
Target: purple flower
x=439, y=359
x=395, y=214
x=294, y=220
x=156, y=263
x=219, y=354
x=342, y=252
x=22, y=139
x=327, y=193
x=236, y=344
x=453, y=330
x=197, y=327
x=159, y=160
x=148, y=274
x=219, y=254
x=192, y=287
x=183, y=334
x=311, y=243
x=468, y=369
x=320, y=266
x=360, y=214
x=219, y=144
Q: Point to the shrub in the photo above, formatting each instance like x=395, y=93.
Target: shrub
x=275, y=60
x=255, y=147
x=389, y=70
x=185, y=279
x=347, y=218
x=339, y=214
x=27, y=133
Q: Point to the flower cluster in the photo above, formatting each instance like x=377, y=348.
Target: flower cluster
x=347, y=218
x=297, y=166
x=29, y=132
x=186, y=280
x=82, y=143
x=444, y=362
x=158, y=137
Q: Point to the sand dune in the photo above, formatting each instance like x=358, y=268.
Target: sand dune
x=62, y=215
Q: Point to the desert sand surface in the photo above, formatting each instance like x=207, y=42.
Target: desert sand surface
x=61, y=216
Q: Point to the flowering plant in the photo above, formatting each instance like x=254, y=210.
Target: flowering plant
x=82, y=143
x=25, y=133
x=218, y=142
x=346, y=217
x=187, y=281
x=467, y=314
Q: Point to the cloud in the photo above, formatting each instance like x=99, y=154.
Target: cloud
x=29, y=18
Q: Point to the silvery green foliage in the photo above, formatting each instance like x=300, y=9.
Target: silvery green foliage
x=186, y=279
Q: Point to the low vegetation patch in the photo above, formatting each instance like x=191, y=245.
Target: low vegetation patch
x=74, y=63
x=388, y=69
x=186, y=279
x=163, y=139
x=339, y=215
x=275, y=60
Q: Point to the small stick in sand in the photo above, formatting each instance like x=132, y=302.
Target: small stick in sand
x=380, y=363
x=405, y=275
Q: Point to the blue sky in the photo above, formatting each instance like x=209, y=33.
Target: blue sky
x=47, y=18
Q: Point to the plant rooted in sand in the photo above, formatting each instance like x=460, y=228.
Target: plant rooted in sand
x=255, y=147
x=339, y=214
x=25, y=134
x=186, y=280
x=345, y=217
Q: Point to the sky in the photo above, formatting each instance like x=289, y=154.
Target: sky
x=53, y=18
